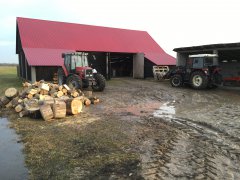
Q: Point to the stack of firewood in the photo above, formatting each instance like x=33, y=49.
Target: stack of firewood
x=46, y=100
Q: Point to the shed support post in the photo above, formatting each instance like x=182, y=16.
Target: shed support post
x=33, y=73
x=26, y=69
x=22, y=68
x=215, y=59
x=107, y=66
x=181, y=59
x=138, y=65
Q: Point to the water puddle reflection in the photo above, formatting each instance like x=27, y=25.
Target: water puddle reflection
x=12, y=164
x=165, y=111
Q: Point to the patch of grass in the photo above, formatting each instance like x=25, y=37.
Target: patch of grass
x=97, y=150
x=8, y=78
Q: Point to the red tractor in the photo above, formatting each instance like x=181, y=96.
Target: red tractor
x=200, y=71
x=76, y=72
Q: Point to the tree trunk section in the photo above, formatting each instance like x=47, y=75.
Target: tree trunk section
x=74, y=106
x=4, y=100
x=18, y=108
x=46, y=112
x=86, y=102
x=59, y=109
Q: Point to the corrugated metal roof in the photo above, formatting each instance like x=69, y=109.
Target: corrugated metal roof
x=43, y=35
x=45, y=57
x=208, y=47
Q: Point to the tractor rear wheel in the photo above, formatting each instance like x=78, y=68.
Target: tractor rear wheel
x=199, y=80
x=61, y=76
x=74, y=81
x=176, y=80
x=100, y=82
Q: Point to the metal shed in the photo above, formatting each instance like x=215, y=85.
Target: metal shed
x=228, y=57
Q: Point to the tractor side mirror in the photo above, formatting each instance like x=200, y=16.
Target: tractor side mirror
x=63, y=55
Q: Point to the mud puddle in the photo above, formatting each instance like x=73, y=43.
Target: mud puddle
x=166, y=110
x=12, y=164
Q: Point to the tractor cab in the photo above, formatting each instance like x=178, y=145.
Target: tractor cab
x=77, y=63
x=201, y=61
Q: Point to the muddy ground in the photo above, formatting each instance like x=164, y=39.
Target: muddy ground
x=142, y=129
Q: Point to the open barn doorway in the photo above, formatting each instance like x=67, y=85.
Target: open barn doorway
x=112, y=65
x=121, y=65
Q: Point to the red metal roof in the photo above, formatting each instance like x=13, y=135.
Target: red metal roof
x=45, y=57
x=44, y=41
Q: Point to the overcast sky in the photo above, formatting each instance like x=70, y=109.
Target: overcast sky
x=172, y=23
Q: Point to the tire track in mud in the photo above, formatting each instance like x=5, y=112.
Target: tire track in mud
x=199, y=151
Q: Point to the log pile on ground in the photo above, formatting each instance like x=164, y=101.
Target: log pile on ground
x=46, y=100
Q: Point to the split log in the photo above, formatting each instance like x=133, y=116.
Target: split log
x=44, y=86
x=23, y=113
x=53, y=92
x=29, y=96
x=26, y=84
x=36, y=84
x=60, y=88
x=9, y=105
x=63, y=98
x=1, y=104
x=4, y=100
x=74, y=106
x=59, y=94
x=20, y=101
x=94, y=100
x=19, y=108
x=66, y=87
x=41, y=97
x=88, y=94
x=46, y=112
x=33, y=91
x=80, y=92
x=48, y=100
x=24, y=93
x=15, y=102
x=74, y=93
x=31, y=104
x=43, y=92
x=86, y=101
x=64, y=91
x=54, y=86
x=59, y=109
x=11, y=93
x=37, y=96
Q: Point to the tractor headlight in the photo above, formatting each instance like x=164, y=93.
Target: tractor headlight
x=88, y=73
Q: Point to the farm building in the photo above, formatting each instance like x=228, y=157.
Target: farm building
x=228, y=58
x=113, y=52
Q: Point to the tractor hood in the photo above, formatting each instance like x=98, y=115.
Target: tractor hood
x=82, y=69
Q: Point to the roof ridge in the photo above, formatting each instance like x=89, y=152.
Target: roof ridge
x=53, y=21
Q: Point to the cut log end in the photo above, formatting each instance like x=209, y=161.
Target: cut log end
x=11, y=93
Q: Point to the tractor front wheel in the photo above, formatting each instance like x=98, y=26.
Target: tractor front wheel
x=199, y=80
x=100, y=82
x=176, y=80
x=74, y=81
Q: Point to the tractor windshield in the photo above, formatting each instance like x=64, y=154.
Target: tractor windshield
x=81, y=61
x=209, y=61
